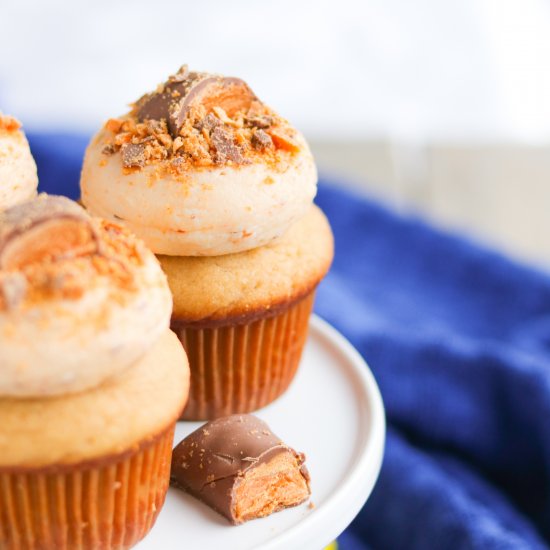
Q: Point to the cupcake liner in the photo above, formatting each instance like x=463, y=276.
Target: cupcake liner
x=238, y=368
x=106, y=504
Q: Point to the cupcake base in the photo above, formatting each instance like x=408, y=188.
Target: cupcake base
x=111, y=504
x=239, y=367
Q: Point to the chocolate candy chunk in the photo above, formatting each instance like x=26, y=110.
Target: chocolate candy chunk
x=209, y=122
x=225, y=146
x=259, y=121
x=261, y=141
x=240, y=468
x=186, y=89
x=134, y=155
x=46, y=227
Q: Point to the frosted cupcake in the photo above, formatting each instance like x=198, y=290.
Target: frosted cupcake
x=18, y=179
x=91, y=384
x=221, y=188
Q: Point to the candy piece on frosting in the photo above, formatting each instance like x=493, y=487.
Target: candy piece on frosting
x=240, y=468
x=261, y=140
x=81, y=299
x=50, y=227
x=18, y=179
x=186, y=89
x=134, y=155
x=226, y=148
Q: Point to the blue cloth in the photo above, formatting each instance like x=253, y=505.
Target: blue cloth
x=458, y=339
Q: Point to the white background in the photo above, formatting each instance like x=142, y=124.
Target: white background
x=419, y=70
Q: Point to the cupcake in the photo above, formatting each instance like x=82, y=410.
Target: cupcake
x=220, y=187
x=18, y=179
x=92, y=380
x=243, y=318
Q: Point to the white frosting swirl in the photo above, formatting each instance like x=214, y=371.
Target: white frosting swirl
x=58, y=344
x=205, y=211
x=18, y=178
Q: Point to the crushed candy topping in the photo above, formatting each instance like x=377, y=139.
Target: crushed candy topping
x=199, y=120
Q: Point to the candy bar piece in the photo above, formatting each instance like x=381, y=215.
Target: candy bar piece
x=48, y=227
x=186, y=89
x=226, y=148
x=240, y=468
x=134, y=155
x=261, y=140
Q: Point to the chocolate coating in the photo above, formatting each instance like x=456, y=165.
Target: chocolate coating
x=211, y=462
x=176, y=96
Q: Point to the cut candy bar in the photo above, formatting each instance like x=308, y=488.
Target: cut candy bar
x=240, y=468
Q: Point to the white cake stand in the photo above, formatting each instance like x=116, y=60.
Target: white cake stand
x=333, y=412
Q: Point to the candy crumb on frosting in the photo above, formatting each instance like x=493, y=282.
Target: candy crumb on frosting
x=9, y=123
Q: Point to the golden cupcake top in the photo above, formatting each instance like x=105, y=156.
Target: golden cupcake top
x=247, y=285
x=200, y=167
x=80, y=298
x=198, y=119
x=99, y=425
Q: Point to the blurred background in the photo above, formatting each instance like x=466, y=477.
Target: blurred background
x=435, y=107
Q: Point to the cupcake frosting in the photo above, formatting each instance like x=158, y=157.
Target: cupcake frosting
x=81, y=299
x=200, y=167
x=18, y=179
